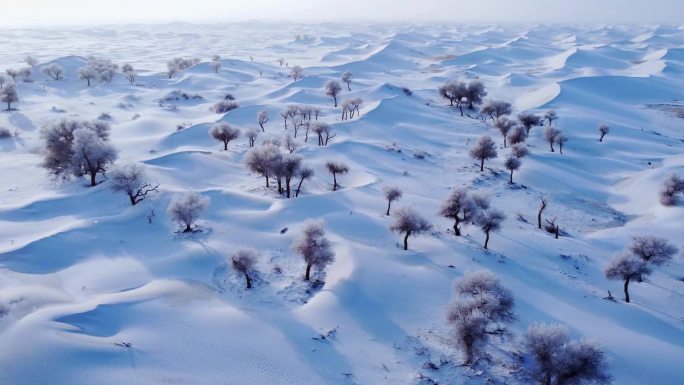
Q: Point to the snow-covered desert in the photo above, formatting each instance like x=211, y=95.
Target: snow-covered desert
x=96, y=290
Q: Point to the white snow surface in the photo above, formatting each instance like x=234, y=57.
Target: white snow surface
x=82, y=272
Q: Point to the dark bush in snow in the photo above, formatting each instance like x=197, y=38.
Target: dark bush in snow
x=224, y=106
x=482, y=150
x=336, y=168
x=528, y=121
x=482, y=307
x=391, y=194
x=185, y=209
x=347, y=78
x=314, y=247
x=244, y=262
x=603, y=129
x=224, y=133
x=5, y=133
x=672, y=187
x=460, y=208
x=496, y=109
x=408, y=222
x=332, y=89
x=557, y=360
x=54, y=70
x=132, y=180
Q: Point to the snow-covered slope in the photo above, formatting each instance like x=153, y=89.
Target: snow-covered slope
x=83, y=274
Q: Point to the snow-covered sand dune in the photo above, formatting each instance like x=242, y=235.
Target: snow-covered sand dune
x=94, y=291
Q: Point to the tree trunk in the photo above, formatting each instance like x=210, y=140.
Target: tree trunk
x=460, y=107
x=557, y=231
x=88, y=79
x=627, y=290
x=249, y=281
x=457, y=231
x=482, y=164
x=188, y=229
x=280, y=186
x=299, y=187
x=511, y=180
x=560, y=148
x=348, y=87
x=267, y=186
x=287, y=186
x=335, y=99
x=601, y=138
x=389, y=202
x=551, y=143
x=225, y=146
x=262, y=127
x=93, y=182
x=308, y=272
x=133, y=200
x=504, y=141
x=406, y=240
x=451, y=101
x=486, y=240
x=334, y=182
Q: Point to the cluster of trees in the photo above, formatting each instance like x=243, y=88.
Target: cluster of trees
x=350, y=106
x=54, y=71
x=78, y=148
x=553, y=135
x=671, y=189
x=465, y=208
x=637, y=262
x=269, y=162
x=14, y=73
x=482, y=307
x=179, y=64
x=98, y=69
x=470, y=94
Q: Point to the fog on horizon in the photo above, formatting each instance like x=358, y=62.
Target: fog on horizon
x=51, y=12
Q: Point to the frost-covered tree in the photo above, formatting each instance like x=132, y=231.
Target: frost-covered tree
x=186, y=209
x=603, y=129
x=512, y=164
x=324, y=132
x=347, y=78
x=550, y=116
x=216, y=66
x=653, y=250
x=9, y=95
x=13, y=73
x=488, y=221
x=558, y=360
x=314, y=247
x=251, y=135
x=516, y=135
x=296, y=73
x=303, y=174
x=336, y=168
x=474, y=93
x=504, y=125
x=291, y=166
x=26, y=72
x=454, y=91
x=672, y=187
x=3, y=80
x=391, y=194
x=355, y=105
x=129, y=73
x=408, y=222
x=30, y=60
x=482, y=150
x=561, y=139
x=171, y=69
x=54, y=70
x=87, y=73
x=496, y=109
x=289, y=143
x=519, y=150
x=59, y=144
x=332, y=89
x=131, y=179
x=224, y=106
x=261, y=160
x=244, y=262
x=481, y=307
x=224, y=133
x=460, y=208
x=107, y=75
x=262, y=118
x=551, y=135
x=91, y=154
x=528, y=120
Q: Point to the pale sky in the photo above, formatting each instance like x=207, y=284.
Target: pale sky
x=45, y=12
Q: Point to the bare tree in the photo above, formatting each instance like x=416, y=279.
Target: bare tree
x=244, y=262
x=129, y=73
x=512, y=164
x=347, y=78
x=488, y=221
x=262, y=118
x=653, y=250
x=13, y=73
x=91, y=154
x=460, y=208
x=496, y=109
x=332, y=89
x=454, y=91
x=26, y=72
x=261, y=160
x=289, y=143
x=627, y=268
x=474, y=93
x=408, y=222
x=224, y=133
x=9, y=95
x=336, y=168
x=303, y=174
x=131, y=179
x=391, y=194
x=481, y=307
x=528, y=121
x=171, y=69
x=550, y=116
x=251, y=135
x=561, y=139
x=324, y=132
x=314, y=247
x=482, y=150
x=87, y=73
x=355, y=104
x=519, y=150
x=603, y=129
x=557, y=360
x=54, y=70
x=544, y=201
x=671, y=187
x=504, y=125
x=516, y=135
x=296, y=73
x=347, y=110
x=551, y=135
x=185, y=209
